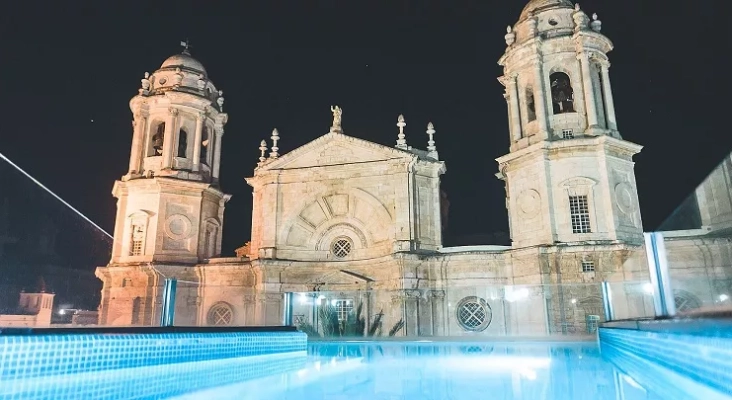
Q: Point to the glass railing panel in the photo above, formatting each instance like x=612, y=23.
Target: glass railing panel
x=486, y=311
x=48, y=256
x=631, y=300
x=698, y=244
x=221, y=304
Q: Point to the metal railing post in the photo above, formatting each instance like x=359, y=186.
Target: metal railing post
x=168, y=314
x=287, y=311
x=663, y=295
x=607, y=301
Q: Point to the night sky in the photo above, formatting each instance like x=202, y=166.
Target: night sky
x=68, y=70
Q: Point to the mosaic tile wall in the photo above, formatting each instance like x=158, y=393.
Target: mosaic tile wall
x=115, y=366
x=31, y=356
x=692, y=363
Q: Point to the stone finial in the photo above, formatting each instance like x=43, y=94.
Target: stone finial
x=220, y=100
x=146, y=81
x=337, y=119
x=581, y=21
x=576, y=7
x=596, y=24
x=275, y=138
x=510, y=36
x=262, y=150
x=431, y=148
x=402, y=141
x=145, y=84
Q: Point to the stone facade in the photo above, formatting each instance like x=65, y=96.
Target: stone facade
x=344, y=221
x=34, y=310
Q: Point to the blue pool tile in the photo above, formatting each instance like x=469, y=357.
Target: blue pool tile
x=24, y=357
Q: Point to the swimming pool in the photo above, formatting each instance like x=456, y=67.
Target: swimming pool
x=426, y=371
x=256, y=366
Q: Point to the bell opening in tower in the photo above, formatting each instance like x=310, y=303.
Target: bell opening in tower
x=157, y=140
x=204, y=146
x=530, y=106
x=562, y=93
x=182, y=143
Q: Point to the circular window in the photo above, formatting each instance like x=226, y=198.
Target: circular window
x=474, y=314
x=220, y=314
x=553, y=22
x=685, y=301
x=341, y=247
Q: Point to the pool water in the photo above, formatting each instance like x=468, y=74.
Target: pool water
x=454, y=371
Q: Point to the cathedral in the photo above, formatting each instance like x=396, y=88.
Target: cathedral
x=347, y=221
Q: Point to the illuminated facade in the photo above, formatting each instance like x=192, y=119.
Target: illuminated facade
x=363, y=220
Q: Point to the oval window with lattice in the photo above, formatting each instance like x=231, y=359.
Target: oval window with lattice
x=474, y=314
x=341, y=247
x=220, y=314
x=686, y=301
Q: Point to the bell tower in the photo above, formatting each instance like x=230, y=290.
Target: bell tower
x=569, y=174
x=170, y=208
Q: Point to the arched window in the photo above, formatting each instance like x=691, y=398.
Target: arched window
x=182, y=143
x=157, y=139
x=204, y=145
x=562, y=94
x=137, y=241
x=530, y=107
x=220, y=314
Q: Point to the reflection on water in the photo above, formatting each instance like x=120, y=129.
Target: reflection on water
x=456, y=371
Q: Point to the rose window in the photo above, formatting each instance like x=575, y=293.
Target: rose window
x=341, y=248
x=474, y=314
x=220, y=314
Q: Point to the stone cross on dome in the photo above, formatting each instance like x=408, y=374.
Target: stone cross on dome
x=186, y=44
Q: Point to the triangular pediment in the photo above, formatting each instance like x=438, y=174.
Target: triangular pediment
x=336, y=149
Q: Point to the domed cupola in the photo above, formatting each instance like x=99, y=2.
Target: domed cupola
x=182, y=73
x=184, y=61
x=179, y=122
x=555, y=74
x=536, y=6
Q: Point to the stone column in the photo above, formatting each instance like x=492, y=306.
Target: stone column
x=540, y=99
x=169, y=139
x=439, y=323
x=514, y=108
x=137, y=143
x=607, y=91
x=590, y=103
x=406, y=301
x=197, y=142
x=219, y=133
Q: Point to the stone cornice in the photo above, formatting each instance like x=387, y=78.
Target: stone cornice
x=591, y=40
x=590, y=144
x=160, y=184
x=389, y=152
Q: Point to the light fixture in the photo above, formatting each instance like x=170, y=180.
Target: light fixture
x=648, y=288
